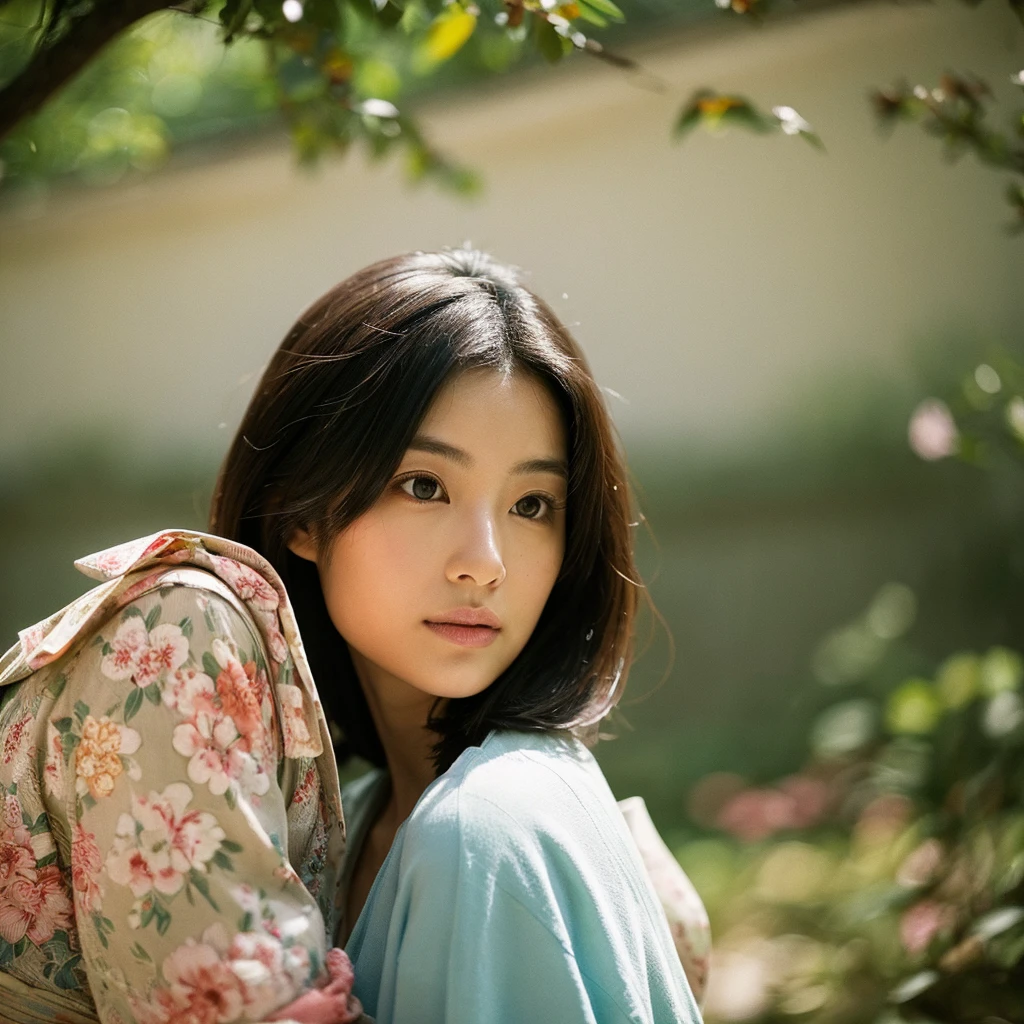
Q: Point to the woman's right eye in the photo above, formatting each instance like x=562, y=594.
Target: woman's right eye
x=423, y=488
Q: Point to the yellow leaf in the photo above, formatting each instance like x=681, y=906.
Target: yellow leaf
x=450, y=30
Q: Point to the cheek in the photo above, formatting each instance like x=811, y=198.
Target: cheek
x=369, y=581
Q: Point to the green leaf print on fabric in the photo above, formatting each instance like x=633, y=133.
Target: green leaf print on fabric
x=132, y=704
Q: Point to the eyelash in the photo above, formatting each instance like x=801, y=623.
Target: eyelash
x=552, y=504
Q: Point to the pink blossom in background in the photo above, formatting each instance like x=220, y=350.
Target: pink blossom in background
x=922, y=922
x=932, y=431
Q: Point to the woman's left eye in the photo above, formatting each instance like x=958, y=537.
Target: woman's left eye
x=533, y=506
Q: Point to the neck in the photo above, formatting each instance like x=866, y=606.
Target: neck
x=400, y=713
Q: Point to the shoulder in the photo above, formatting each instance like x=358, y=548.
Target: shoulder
x=533, y=802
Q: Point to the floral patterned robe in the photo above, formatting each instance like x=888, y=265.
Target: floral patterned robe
x=170, y=819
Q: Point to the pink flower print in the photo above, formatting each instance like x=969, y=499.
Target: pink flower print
x=31, y=637
x=305, y=789
x=218, y=755
x=130, y=640
x=33, y=902
x=16, y=737
x=239, y=688
x=143, y=655
x=19, y=903
x=114, y=560
x=276, y=643
x=200, y=987
x=53, y=910
x=53, y=768
x=168, y=649
x=248, y=584
x=141, y=586
x=12, y=813
x=190, y=692
x=297, y=739
x=86, y=865
x=171, y=842
x=257, y=961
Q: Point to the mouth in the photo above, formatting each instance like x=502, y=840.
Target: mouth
x=463, y=635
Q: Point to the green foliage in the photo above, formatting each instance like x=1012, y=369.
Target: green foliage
x=885, y=881
x=956, y=111
x=337, y=71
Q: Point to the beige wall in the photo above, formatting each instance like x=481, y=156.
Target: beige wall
x=712, y=282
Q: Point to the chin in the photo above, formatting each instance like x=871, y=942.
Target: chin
x=452, y=688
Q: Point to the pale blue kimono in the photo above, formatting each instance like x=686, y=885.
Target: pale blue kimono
x=513, y=894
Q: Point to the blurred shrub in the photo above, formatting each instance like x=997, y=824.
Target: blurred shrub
x=884, y=882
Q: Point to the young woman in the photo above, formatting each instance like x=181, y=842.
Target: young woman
x=429, y=466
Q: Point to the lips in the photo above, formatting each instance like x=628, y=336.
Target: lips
x=467, y=627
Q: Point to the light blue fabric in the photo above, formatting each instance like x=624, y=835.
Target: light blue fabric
x=514, y=894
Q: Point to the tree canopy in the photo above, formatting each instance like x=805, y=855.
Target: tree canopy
x=96, y=89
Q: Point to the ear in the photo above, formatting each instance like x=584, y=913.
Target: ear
x=301, y=543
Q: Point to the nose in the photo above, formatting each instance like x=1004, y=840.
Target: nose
x=476, y=555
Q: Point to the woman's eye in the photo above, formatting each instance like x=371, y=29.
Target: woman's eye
x=531, y=507
x=423, y=488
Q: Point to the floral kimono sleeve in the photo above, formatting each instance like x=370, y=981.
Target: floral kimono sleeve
x=165, y=750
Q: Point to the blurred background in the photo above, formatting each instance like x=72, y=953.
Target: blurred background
x=767, y=319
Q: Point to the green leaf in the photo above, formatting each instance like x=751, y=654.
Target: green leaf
x=63, y=725
x=81, y=711
x=604, y=7
x=153, y=617
x=202, y=887
x=66, y=976
x=223, y=861
x=152, y=693
x=233, y=15
x=107, y=649
x=56, y=687
x=163, y=919
x=588, y=14
x=210, y=666
x=913, y=708
x=132, y=611
x=50, y=858
x=40, y=825
x=132, y=704
x=140, y=954
x=1001, y=670
x=551, y=45
x=186, y=626
x=231, y=846
x=69, y=741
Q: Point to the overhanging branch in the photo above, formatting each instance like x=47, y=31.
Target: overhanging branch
x=52, y=67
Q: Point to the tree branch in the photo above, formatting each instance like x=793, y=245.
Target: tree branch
x=51, y=67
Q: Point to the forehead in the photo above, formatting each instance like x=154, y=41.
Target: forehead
x=480, y=406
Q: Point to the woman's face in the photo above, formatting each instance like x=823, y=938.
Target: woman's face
x=471, y=527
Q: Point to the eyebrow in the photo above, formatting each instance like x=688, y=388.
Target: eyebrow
x=435, y=446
